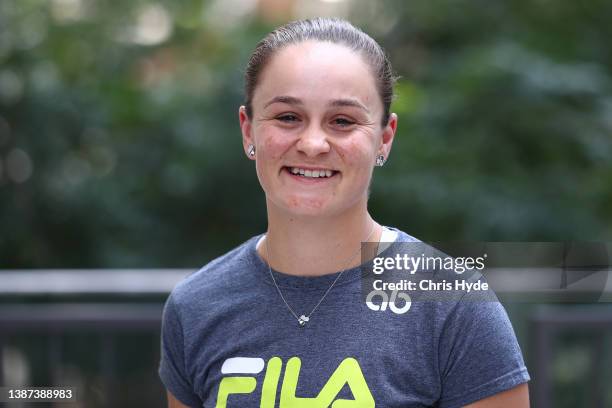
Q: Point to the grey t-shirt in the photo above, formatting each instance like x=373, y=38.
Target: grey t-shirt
x=228, y=340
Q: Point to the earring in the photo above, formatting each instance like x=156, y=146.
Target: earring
x=380, y=160
x=251, y=150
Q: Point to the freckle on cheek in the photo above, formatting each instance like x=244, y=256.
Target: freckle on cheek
x=293, y=202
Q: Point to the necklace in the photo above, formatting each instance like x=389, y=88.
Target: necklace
x=303, y=319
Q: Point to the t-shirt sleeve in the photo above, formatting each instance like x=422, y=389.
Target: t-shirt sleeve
x=479, y=355
x=172, y=370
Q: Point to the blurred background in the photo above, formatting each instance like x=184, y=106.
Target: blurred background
x=122, y=169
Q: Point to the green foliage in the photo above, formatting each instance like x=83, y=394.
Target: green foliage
x=131, y=152
x=505, y=129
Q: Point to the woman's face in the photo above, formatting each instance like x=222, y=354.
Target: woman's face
x=316, y=129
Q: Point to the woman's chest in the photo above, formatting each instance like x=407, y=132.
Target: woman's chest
x=364, y=362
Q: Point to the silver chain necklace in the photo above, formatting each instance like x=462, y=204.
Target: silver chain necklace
x=303, y=319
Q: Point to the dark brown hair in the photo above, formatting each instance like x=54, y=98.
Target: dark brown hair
x=332, y=30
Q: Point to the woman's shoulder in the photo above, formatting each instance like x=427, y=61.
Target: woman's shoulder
x=225, y=271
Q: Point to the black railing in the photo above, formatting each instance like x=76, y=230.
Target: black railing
x=95, y=330
x=592, y=323
x=98, y=331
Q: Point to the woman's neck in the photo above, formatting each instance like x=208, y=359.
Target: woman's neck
x=315, y=246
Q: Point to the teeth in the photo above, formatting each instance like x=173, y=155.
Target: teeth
x=311, y=173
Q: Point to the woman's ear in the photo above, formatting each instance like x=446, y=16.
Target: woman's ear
x=248, y=143
x=387, y=136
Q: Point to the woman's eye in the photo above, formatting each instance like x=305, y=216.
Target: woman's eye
x=287, y=118
x=343, y=122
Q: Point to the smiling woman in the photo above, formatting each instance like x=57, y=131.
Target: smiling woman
x=311, y=113
x=316, y=121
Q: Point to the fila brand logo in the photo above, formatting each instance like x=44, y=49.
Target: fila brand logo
x=348, y=372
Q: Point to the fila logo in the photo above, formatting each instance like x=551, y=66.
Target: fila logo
x=348, y=372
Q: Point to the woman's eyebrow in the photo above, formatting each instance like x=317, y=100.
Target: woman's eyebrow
x=349, y=102
x=291, y=100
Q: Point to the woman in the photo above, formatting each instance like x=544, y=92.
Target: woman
x=279, y=321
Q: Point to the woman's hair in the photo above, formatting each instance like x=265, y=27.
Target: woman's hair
x=332, y=30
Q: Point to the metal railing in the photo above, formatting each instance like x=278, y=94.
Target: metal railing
x=49, y=306
x=546, y=324
x=45, y=313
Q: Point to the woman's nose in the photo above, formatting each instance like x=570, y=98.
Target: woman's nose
x=313, y=141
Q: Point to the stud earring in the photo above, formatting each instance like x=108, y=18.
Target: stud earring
x=380, y=160
x=251, y=150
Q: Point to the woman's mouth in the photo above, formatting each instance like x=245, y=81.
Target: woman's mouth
x=311, y=173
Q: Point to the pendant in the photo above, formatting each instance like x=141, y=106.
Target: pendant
x=303, y=320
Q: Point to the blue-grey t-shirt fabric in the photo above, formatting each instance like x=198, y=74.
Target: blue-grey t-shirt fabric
x=228, y=340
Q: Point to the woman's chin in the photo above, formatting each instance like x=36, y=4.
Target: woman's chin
x=308, y=206
x=319, y=205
